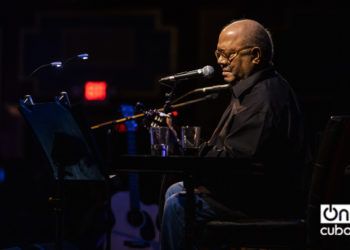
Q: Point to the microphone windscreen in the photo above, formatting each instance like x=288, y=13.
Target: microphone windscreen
x=208, y=71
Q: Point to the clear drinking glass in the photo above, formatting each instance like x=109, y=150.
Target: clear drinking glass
x=190, y=139
x=159, y=138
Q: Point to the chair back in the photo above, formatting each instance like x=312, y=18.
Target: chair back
x=327, y=181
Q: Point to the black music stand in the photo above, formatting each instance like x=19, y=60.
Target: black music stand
x=68, y=152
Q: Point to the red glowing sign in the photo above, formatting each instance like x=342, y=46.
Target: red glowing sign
x=95, y=91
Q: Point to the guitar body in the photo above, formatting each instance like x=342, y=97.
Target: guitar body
x=133, y=229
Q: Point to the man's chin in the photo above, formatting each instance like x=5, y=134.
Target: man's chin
x=227, y=75
x=228, y=78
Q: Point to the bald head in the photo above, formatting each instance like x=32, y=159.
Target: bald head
x=248, y=32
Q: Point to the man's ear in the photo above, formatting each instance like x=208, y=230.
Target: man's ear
x=256, y=55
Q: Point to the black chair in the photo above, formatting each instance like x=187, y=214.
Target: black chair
x=326, y=187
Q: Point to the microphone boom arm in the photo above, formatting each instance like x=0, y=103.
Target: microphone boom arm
x=179, y=105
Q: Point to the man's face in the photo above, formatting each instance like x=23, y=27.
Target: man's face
x=233, y=56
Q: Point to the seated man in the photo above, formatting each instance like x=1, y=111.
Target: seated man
x=262, y=124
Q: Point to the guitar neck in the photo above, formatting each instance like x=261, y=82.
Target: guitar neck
x=134, y=191
x=133, y=177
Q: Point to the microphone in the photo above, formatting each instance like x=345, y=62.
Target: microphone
x=206, y=72
x=214, y=88
x=56, y=64
x=210, y=89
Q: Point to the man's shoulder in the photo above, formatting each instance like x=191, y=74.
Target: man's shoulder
x=273, y=87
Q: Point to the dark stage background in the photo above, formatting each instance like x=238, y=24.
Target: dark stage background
x=131, y=45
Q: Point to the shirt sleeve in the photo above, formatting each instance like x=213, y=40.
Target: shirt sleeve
x=246, y=135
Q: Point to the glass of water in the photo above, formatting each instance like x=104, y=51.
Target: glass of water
x=190, y=139
x=159, y=138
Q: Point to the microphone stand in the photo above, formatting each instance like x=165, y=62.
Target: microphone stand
x=167, y=105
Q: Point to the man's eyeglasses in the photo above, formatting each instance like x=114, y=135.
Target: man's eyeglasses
x=230, y=57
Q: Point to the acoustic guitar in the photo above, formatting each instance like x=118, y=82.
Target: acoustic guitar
x=135, y=222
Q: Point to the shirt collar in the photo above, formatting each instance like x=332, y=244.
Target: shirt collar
x=250, y=81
